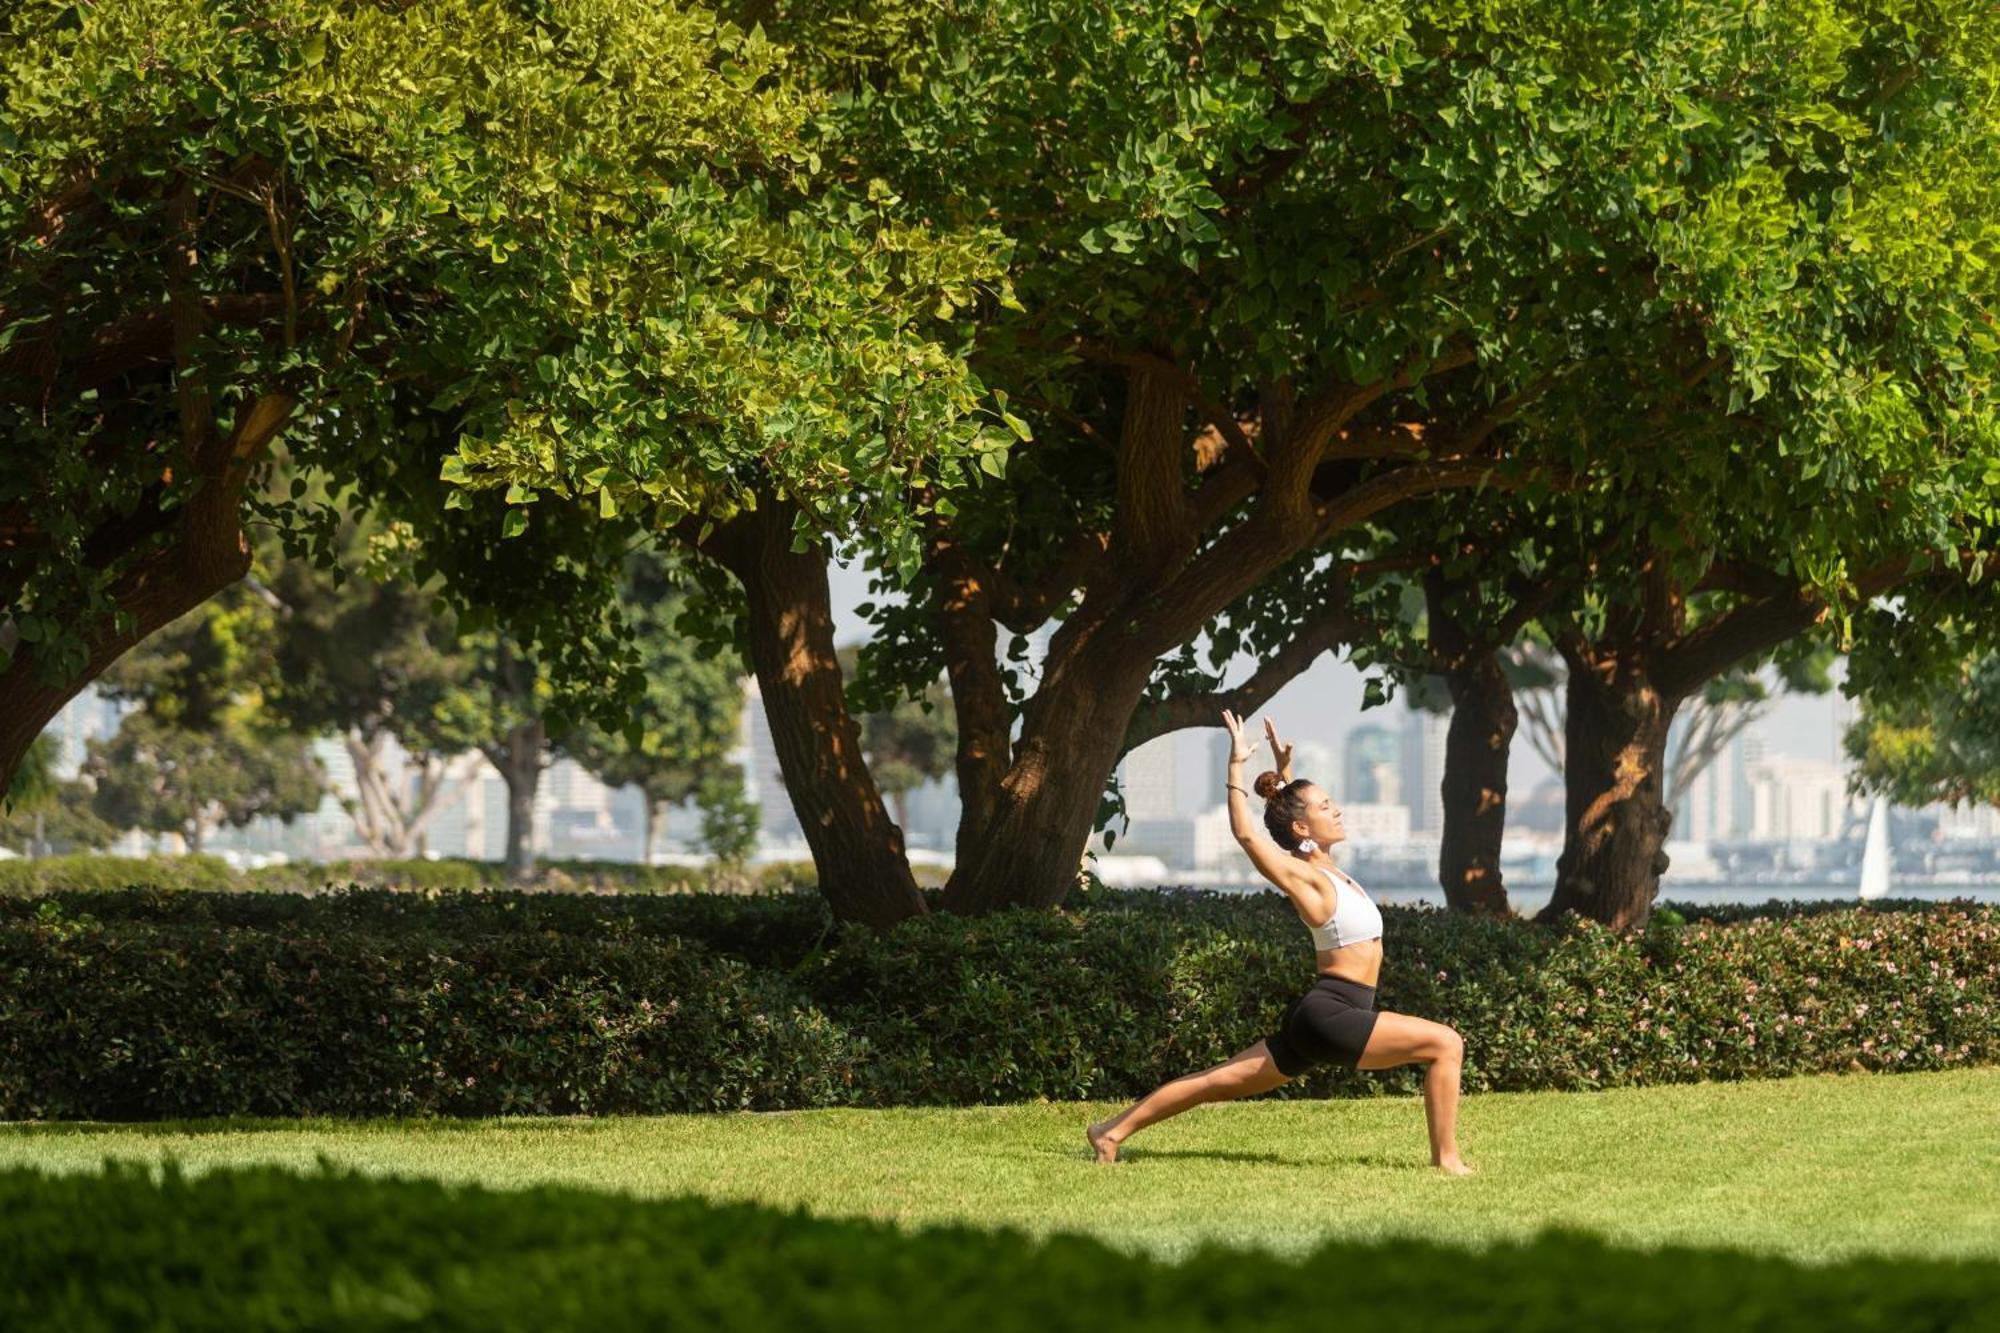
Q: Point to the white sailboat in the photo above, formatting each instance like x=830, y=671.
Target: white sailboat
x=1875, y=852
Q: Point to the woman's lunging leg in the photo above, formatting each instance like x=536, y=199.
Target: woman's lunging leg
x=1242, y=1075
x=1399, y=1039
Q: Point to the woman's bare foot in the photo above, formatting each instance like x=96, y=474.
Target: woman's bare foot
x=1452, y=1166
x=1101, y=1142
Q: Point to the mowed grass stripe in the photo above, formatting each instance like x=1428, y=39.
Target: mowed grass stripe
x=1813, y=1168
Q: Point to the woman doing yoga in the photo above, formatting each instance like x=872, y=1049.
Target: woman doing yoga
x=1335, y=1022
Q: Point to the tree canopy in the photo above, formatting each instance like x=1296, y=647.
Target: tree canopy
x=583, y=243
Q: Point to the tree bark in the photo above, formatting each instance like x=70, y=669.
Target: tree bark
x=209, y=554
x=1615, y=746
x=522, y=772
x=1030, y=848
x=649, y=821
x=1474, y=789
x=857, y=849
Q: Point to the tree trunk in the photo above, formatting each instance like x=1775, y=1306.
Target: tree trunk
x=193, y=836
x=648, y=822
x=429, y=803
x=1615, y=761
x=210, y=554
x=857, y=850
x=523, y=775
x=1029, y=849
x=1475, y=787
x=367, y=812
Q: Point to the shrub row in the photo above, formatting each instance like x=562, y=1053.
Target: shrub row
x=144, y=1020
x=87, y=872
x=149, y=1004
x=262, y=1248
x=91, y=873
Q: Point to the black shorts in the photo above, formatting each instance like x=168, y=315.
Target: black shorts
x=1329, y=1024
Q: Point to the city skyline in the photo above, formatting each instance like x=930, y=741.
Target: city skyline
x=1171, y=786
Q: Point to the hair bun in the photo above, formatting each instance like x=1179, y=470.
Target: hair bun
x=1268, y=784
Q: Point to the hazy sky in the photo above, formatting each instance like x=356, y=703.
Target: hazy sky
x=1324, y=704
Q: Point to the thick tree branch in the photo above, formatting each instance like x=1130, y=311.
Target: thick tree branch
x=978, y=695
x=1331, y=627
x=188, y=322
x=1756, y=627
x=1362, y=502
x=1023, y=605
x=1322, y=415
x=1226, y=485
x=1153, y=530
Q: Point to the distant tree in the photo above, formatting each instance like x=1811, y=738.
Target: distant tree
x=163, y=777
x=201, y=750
x=907, y=739
x=67, y=823
x=1935, y=740
x=728, y=817
x=678, y=732
x=1725, y=708
x=34, y=783
x=363, y=654
x=43, y=813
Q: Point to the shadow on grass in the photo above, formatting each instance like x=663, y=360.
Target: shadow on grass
x=265, y=1248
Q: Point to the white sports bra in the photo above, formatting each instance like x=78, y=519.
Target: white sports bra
x=1355, y=916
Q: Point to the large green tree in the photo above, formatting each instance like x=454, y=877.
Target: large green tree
x=378, y=231
x=1283, y=269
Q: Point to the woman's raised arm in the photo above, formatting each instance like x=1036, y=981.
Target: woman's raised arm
x=1272, y=861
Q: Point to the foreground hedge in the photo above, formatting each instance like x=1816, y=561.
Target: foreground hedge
x=147, y=1005
x=256, y=1249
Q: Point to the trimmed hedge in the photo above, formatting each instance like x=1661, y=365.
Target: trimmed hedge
x=87, y=872
x=149, y=1004
x=147, y=1020
x=265, y=1249
x=456, y=874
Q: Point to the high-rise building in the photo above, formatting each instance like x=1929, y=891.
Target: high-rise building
x=1201, y=765
x=1423, y=769
x=573, y=812
x=1797, y=800
x=1714, y=808
x=1315, y=762
x=1372, y=752
x=1147, y=778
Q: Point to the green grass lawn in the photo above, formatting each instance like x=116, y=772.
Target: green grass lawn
x=1811, y=1168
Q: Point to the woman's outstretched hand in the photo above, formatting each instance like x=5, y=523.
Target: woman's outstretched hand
x=1280, y=752
x=1239, y=749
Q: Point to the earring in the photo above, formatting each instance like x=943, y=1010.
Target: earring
x=1308, y=847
